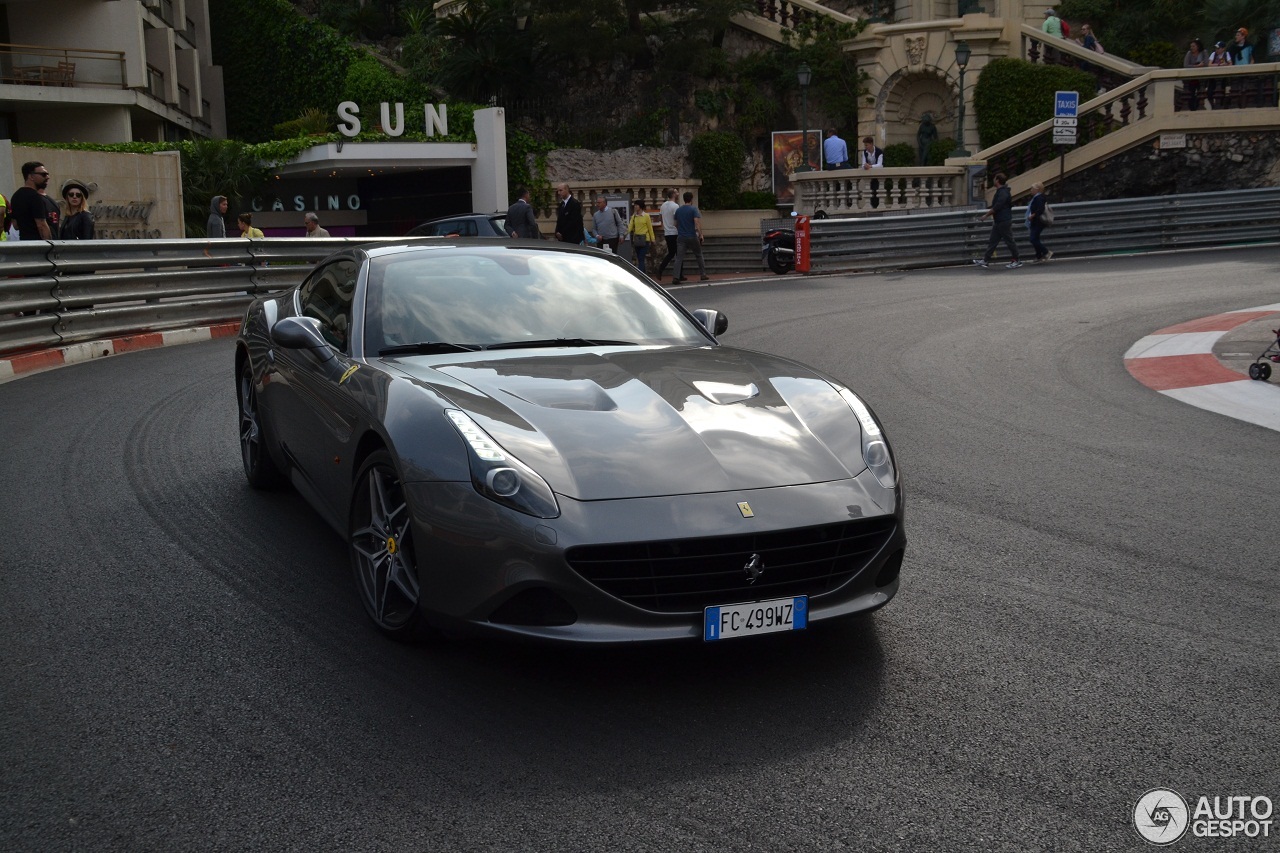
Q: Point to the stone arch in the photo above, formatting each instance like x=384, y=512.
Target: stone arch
x=906, y=96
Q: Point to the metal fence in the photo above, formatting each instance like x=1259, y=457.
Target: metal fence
x=1122, y=226
x=55, y=293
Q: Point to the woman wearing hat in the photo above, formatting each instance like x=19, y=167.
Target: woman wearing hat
x=78, y=223
x=1213, y=89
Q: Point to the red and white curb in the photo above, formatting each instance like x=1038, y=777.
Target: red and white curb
x=14, y=366
x=1179, y=363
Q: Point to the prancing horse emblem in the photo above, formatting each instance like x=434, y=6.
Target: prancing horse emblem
x=754, y=568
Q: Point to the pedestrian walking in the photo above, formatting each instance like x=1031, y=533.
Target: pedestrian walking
x=244, y=222
x=688, y=238
x=521, y=222
x=1001, y=213
x=667, y=215
x=311, y=222
x=607, y=225
x=1036, y=222
x=640, y=227
x=216, y=227
x=569, y=217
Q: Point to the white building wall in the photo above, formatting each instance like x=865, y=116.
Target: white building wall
x=83, y=124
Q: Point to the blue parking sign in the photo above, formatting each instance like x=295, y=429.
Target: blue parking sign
x=1065, y=104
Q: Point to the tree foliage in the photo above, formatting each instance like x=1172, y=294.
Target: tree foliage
x=1138, y=29
x=836, y=82
x=214, y=167
x=277, y=64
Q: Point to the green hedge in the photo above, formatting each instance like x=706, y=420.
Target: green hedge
x=940, y=150
x=717, y=159
x=899, y=155
x=1013, y=95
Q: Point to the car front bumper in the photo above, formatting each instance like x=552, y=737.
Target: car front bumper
x=486, y=568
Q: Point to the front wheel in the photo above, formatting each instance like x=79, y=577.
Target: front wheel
x=259, y=468
x=778, y=265
x=382, y=548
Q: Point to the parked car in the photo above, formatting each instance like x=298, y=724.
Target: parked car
x=535, y=439
x=462, y=225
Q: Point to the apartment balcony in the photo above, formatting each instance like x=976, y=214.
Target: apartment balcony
x=55, y=93
x=36, y=65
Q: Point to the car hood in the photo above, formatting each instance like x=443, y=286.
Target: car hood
x=646, y=422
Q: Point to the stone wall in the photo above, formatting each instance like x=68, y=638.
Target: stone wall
x=665, y=165
x=625, y=164
x=1211, y=161
x=132, y=196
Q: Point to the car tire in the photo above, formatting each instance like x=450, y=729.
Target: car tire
x=380, y=538
x=259, y=468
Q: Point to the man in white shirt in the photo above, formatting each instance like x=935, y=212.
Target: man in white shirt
x=870, y=157
x=668, y=215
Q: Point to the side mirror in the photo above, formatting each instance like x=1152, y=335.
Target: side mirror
x=299, y=333
x=714, y=322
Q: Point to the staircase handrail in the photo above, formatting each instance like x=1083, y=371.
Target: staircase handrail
x=1039, y=47
x=1161, y=92
x=787, y=13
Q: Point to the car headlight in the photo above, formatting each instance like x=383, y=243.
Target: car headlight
x=501, y=477
x=875, y=449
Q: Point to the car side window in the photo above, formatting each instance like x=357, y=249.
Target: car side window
x=327, y=296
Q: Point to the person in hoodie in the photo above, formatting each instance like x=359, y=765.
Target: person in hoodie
x=217, y=226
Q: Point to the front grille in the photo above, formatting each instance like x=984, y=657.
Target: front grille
x=686, y=575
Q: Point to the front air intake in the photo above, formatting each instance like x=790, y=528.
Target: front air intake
x=686, y=575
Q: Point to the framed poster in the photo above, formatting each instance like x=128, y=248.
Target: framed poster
x=787, y=157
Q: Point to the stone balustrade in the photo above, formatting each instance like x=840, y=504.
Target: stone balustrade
x=844, y=192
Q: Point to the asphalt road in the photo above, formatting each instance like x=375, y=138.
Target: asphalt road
x=1088, y=611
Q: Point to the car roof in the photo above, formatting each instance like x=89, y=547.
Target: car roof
x=411, y=244
x=495, y=215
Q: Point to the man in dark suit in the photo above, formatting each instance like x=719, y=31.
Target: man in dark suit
x=521, y=223
x=569, y=218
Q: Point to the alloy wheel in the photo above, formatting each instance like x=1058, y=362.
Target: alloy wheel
x=382, y=555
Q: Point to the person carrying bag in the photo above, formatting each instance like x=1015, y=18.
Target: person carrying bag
x=640, y=229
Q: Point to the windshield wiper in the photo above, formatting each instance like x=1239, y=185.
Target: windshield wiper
x=561, y=342
x=427, y=348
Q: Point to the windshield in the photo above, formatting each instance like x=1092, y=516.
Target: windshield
x=477, y=297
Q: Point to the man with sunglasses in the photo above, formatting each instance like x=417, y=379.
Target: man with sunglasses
x=35, y=213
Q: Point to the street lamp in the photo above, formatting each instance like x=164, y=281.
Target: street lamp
x=803, y=74
x=962, y=59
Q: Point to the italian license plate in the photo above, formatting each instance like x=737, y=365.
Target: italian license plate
x=757, y=617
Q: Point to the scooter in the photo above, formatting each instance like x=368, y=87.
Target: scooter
x=779, y=250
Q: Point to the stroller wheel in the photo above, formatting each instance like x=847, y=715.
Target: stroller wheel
x=1264, y=371
x=1255, y=372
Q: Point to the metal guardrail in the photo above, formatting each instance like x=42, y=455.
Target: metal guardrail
x=57, y=293
x=62, y=292
x=1122, y=226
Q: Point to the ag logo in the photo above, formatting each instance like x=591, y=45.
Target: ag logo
x=1161, y=816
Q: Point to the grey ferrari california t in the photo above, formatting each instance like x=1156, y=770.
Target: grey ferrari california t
x=537, y=440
